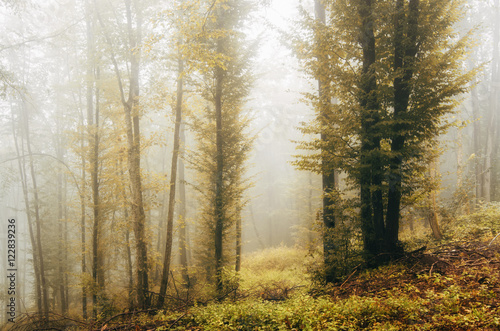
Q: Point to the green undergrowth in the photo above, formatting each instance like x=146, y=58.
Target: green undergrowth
x=457, y=290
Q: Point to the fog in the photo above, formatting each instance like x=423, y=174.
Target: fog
x=48, y=160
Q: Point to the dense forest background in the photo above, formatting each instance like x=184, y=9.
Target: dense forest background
x=149, y=147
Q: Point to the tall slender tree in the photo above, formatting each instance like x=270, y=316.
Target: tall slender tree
x=223, y=142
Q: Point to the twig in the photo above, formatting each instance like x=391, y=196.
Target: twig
x=432, y=267
x=352, y=273
x=493, y=239
x=177, y=320
x=173, y=282
x=128, y=313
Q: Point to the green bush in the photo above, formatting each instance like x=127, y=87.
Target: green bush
x=484, y=223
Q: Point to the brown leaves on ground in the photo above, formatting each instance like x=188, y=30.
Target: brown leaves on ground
x=470, y=265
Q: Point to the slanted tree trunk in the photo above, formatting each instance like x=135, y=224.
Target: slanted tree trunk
x=24, y=182
x=173, y=180
x=38, y=221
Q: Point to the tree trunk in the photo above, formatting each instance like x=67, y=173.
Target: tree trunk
x=405, y=51
x=219, y=211
x=24, y=181
x=83, y=221
x=173, y=179
x=97, y=254
x=370, y=142
x=182, y=208
x=494, y=96
x=477, y=148
x=434, y=214
x=60, y=220
x=238, y=239
x=38, y=221
x=328, y=172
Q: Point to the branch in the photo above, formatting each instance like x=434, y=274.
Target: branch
x=35, y=39
x=112, y=55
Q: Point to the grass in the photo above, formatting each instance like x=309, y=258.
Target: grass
x=454, y=287
x=414, y=294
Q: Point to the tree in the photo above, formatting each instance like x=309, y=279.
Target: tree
x=223, y=142
x=396, y=72
x=131, y=112
x=173, y=180
x=328, y=172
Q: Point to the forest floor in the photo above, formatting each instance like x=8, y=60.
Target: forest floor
x=451, y=287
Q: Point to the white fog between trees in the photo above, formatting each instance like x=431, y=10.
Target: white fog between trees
x=146, y=144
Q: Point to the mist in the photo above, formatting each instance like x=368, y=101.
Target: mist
x=98, y=99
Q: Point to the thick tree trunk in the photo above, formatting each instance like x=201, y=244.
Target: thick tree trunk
x=370, y=172
x=405, y=51
x=173, y=180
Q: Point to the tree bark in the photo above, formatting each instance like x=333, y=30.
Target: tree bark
x=173, y=179
x=405, y=51
x=238, y=239
x=182, y=208
x=219, y=210
x=370, y=176
x=97, y=274
x=434, y=214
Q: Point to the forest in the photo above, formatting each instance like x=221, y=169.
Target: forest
x=250, y=165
